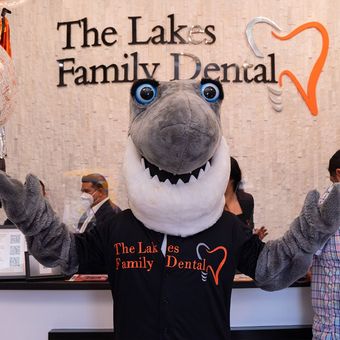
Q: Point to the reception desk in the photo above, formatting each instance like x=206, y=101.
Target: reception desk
x=31, y=309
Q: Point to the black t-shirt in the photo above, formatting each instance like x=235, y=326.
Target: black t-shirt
x=184, y=295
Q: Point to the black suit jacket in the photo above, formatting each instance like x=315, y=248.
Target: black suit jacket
x=104, y=214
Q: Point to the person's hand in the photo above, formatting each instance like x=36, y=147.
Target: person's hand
x=261, y=232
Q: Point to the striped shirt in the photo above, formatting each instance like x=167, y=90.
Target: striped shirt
x=326, y=290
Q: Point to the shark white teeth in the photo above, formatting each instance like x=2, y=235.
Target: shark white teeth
x=147, y=172
x=201, y=173
x=167, y=182
x=192, y=179
x=180, y=182
x=153, y=173
x=155, y=179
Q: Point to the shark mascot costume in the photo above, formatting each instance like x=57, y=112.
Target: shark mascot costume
x=172, y=256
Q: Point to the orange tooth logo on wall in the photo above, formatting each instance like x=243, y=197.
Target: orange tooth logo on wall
x=308, y=96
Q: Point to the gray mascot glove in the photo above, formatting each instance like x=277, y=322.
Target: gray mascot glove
x=47, y=238
x=283, y=261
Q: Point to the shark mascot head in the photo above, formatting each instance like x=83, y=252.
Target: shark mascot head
x=177, y=162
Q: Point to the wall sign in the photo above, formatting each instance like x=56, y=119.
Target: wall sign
x=134, y=68
x=70, y=71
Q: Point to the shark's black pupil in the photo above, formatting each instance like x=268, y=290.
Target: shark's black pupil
x=209, y=92
x=146, y=93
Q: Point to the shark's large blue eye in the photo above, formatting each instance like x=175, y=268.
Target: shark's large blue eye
x=145, y=94
x=210, y=92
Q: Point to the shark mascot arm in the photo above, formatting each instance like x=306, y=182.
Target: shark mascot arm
x=47, y=238
x=283, y=261
x=176, y=235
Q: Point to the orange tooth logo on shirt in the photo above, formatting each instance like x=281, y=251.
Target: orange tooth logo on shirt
x=308, y=96
x=203, y=252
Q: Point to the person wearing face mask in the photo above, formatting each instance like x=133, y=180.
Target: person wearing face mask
x=96, y=202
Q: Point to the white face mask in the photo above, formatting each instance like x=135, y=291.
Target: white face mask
x=86, y=200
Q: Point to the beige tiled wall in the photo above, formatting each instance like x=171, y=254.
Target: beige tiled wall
x=60, y=133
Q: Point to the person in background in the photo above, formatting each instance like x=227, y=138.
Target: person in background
x=325, y=277
x=239, y=202
x=95, y=199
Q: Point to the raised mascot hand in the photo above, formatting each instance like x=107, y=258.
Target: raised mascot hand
x=22, y=202
x=283, y=261
x=47, y=238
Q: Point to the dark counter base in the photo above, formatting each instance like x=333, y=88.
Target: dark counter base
x=273, y=333
x=60, y=284
x=270, y=333
x=80, y=334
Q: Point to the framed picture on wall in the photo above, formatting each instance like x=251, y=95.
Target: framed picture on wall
x=35, y=270
x=12, y=253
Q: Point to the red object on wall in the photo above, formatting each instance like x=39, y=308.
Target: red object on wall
x=5, y=40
